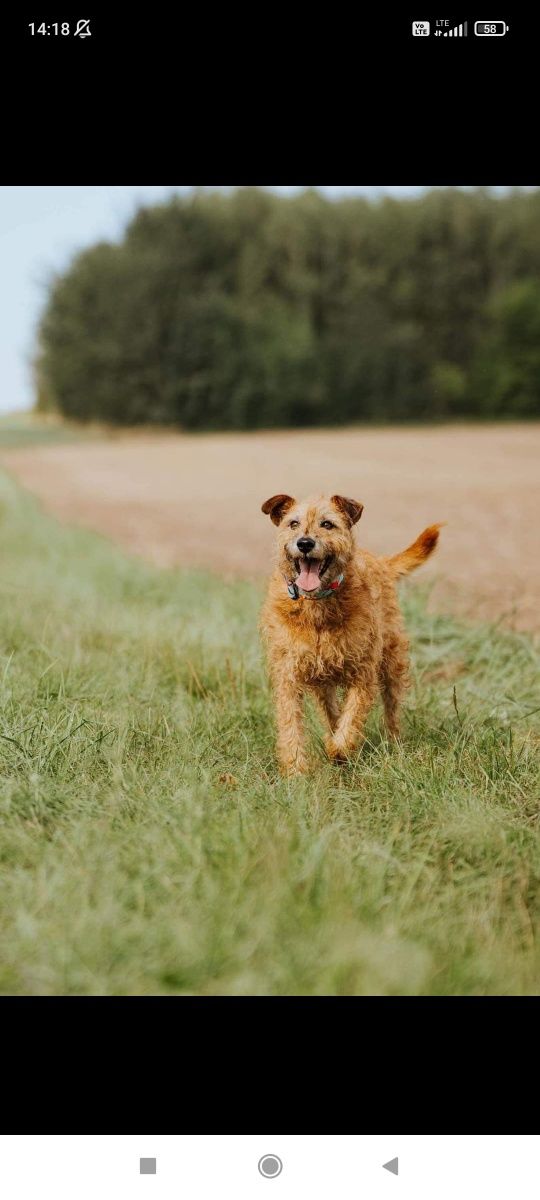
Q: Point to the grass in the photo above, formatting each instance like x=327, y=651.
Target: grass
x=26, y=429
x=148, y=845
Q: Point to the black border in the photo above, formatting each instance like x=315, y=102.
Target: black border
x=226, y=97
x=239, y=1065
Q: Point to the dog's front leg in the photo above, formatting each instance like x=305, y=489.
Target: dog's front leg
x=290, y=724
x=350, y=726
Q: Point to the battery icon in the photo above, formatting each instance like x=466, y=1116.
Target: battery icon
x=490, y=28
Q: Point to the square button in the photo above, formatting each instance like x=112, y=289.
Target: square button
x=148, y=1166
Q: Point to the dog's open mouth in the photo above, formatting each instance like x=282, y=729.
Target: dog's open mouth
x=310, y=572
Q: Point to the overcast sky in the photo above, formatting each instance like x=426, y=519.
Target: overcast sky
x=40, y=229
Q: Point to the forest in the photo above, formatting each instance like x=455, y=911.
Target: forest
x=247, y=310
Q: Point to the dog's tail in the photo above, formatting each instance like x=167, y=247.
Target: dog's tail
x=415, y=555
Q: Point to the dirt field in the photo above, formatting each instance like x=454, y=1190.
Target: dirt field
x=195, y=500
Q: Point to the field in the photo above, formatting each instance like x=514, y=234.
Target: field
x=147, y=843
x=195, y=500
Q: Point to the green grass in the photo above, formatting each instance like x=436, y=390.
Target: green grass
x=19, y=430
x=128, y=867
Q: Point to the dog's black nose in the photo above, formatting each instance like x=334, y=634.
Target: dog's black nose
x=305, y=544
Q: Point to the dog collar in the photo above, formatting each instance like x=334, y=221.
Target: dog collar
x=319, y=594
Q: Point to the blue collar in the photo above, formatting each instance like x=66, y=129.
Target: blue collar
x=319, y=594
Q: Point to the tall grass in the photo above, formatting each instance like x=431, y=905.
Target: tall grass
x=149, y=846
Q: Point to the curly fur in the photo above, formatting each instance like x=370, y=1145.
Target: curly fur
x=353, y=639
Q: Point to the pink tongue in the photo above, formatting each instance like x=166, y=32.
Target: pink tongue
x=308, y=579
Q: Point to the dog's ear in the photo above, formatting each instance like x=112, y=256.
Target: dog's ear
x=277, y=506
x=352, y=509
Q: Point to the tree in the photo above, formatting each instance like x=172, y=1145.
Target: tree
x=506, y=373
x=249, y=310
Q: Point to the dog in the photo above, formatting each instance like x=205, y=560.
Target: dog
x=331, y=619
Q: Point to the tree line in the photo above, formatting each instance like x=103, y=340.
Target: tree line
x=249, y=310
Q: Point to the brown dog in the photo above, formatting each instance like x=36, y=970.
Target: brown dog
x=331, y=618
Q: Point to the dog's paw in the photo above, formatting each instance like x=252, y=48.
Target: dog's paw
x=292, y=769
x=335, y=752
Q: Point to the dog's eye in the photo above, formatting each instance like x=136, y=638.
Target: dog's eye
x=327, y=525
x=294, y=524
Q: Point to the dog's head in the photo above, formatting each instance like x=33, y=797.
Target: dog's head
x=315, y=539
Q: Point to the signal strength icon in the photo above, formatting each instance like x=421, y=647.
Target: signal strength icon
x=457, y=31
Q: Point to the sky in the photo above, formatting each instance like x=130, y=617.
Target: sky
x=42, y=227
